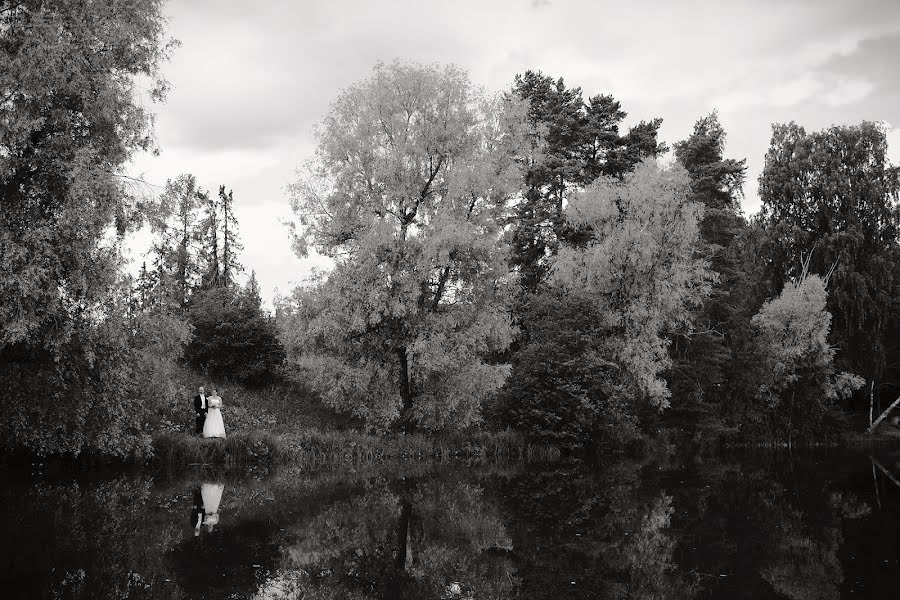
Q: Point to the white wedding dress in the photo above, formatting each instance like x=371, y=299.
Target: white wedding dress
x=212, y=497
x=214, y=426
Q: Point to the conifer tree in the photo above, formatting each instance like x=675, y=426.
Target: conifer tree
x=231, y=245
x=716, y=183
x=576, y=142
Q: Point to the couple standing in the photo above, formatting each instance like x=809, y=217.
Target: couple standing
x=208, y=420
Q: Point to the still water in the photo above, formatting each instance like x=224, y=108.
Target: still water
x=813, y=526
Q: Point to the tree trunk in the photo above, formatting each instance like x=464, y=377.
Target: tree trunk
x=871, y=401
x=405, y=391
x=394, y=587
x=883, y=415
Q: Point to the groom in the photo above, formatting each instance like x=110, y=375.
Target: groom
x=199, y=411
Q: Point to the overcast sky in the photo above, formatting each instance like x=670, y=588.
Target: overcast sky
x=251, y=79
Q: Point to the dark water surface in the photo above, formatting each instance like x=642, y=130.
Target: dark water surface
x=813, y=526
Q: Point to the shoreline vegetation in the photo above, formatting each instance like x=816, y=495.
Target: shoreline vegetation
x=317, y=449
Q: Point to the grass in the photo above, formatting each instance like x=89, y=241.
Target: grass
x=315, y=449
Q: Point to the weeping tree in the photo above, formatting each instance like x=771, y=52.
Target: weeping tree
x=641, y=270
x=414, y=171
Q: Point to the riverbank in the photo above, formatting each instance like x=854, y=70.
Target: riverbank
x=316, y=449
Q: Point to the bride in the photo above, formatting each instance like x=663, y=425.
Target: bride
x=214, y=425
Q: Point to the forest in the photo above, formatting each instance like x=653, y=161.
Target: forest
x=516, y=260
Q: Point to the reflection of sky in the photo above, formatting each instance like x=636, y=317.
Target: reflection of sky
x=248, y=86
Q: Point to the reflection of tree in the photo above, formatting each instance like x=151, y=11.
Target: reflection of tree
x=648, y=554
x=802, y=568
x=434, y=540
x=84, y=541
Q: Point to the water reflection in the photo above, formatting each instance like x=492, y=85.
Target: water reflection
x=820, y=526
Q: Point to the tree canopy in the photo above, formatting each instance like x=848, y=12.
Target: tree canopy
x=415, y=171
x=830, y=198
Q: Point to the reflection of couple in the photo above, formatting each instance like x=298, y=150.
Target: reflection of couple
x=205, y=510
x=208, y=418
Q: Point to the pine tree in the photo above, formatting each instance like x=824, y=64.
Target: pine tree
x=231, y=244
x=575, y=143
x=716, y=183
x=209, y=235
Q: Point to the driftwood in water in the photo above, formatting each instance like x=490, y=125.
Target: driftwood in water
x=883, y=415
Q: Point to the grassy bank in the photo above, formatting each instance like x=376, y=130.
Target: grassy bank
x=315, y=449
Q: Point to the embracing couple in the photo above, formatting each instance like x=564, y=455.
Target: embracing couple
x=208, y=418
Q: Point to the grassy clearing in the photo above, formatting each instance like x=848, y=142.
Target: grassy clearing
x=315, y=449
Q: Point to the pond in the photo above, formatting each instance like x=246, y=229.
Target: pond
x=806, y=526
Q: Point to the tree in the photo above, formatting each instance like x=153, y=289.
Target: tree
x=716, y=183
x=176, y=223
x=209, y=234
x=233, y=336
x=69, y=121
x=793, y=338
x=231, y=244
x=576, y=142
x=641, y=269
x=415, y=172
x=832, y=196
x=562, y=388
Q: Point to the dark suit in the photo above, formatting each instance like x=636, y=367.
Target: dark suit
x=197, y=511
x=200, y=414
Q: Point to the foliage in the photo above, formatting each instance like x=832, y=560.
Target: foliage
x=175, y=221
x=415, y=171
x=701, y=358
x=575, y=142
x=233, y=335
x=562, y=385
x=69, y=120
x=641, y=269
x=793, y=330
x=157, y=342
x=830, y=198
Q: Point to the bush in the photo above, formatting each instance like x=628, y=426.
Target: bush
x=562, y=389
x=233, y=336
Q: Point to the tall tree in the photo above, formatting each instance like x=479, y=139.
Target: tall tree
x=231, y=244
x=830, y=198
x=176, y=223
x=209, y=235
x=578, y=141
x=717, y=184
x=416, y=169
x=69, y=121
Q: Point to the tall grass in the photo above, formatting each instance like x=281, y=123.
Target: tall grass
x=316, y=449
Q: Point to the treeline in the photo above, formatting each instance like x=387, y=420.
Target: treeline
x=522, y=260
x=518, y=260
x=191, y=288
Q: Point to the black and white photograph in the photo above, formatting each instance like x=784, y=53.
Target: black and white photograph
x=471, y=300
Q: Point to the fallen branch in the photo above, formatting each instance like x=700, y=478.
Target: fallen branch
x=883, y=415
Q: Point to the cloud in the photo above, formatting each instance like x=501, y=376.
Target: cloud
x=848, y=92
x=250, y=83
x=893, y=140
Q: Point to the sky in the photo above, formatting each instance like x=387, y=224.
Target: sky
x=250, y=80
